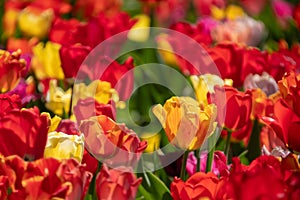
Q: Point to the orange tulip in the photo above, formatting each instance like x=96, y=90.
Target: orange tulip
x=186, y=123
x=11, y=66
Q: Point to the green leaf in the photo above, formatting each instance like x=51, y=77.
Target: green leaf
x=153, y=189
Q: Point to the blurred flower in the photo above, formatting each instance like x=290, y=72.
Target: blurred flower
x=283, y=11
x=8, y=103
x=296, y=15
x=285, y=124
x=101, y=91
x=13, y=44
x=34, y=22
x=153, y=141
x=10, y=18
x=72, y=58
x=86, y=108
x=219, y=163
x=186, y=123
x=67, y=32
x=26, y=90
x=11, y=66
x=254, y=7
x=25, y=129
x=62, y=146
x=231, y=12
x=205, y=84
x=168, y=12
x=58, y=100
x=116, y=184
x=241, y=30
x=46, y=61
x=289, y=88
x=237, y=107
x=265, y=82
x=92, y=8
x=199, y=186
x=204, y=7
x=111, y=143
x=140, y=30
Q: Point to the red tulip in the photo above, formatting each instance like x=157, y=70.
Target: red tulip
x=286, y=124
x=8, y=103
x=262, y=179
x=238, y=107
x=68, y=126
x=45, y=178
x=72, y=58
x=199, y=185
x=115, y=184
x=25, y=129
x=110, y=142
x=86, y=108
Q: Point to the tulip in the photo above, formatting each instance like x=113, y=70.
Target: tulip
x=68, y=127
x=91, y=8
x=62, y=146
x=285, y=124
x=86, y=108
x=11, y=66
x=45, y=178
x=101, y=91
x=111, y=143
x=219, y=165
x=34, y=22
x=186, y=123
x=25, y=129
x=8, y=103
x=243, y=30
x=57, y=100
x=265, y=82
x=238, y=107
x=205, y=84
x=140, y=30
x=46, y=61
x=198, y=186
x=72, y=58
x=262, y=178
x=153, y=141
x=116, y=184
x=289, y=88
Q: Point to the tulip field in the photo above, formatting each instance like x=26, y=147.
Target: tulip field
x=150, y=99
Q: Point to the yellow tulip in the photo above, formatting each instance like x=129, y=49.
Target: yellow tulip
x=35, y=23
x=62, y=146
x=186, y=124
x=166, y=50
x=58, y=100
x=55, y=121
x=46, y=61
x=231, y=12
x=100, y=90
x=10, y=21
x=153, y=141
x=140, y=30
x=205, y=84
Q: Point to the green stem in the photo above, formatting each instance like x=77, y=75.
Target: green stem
x=197, y=155
x=227, y=147
x=183, y=166
x=209, y=160
x=92, y=188
x=254, y=142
